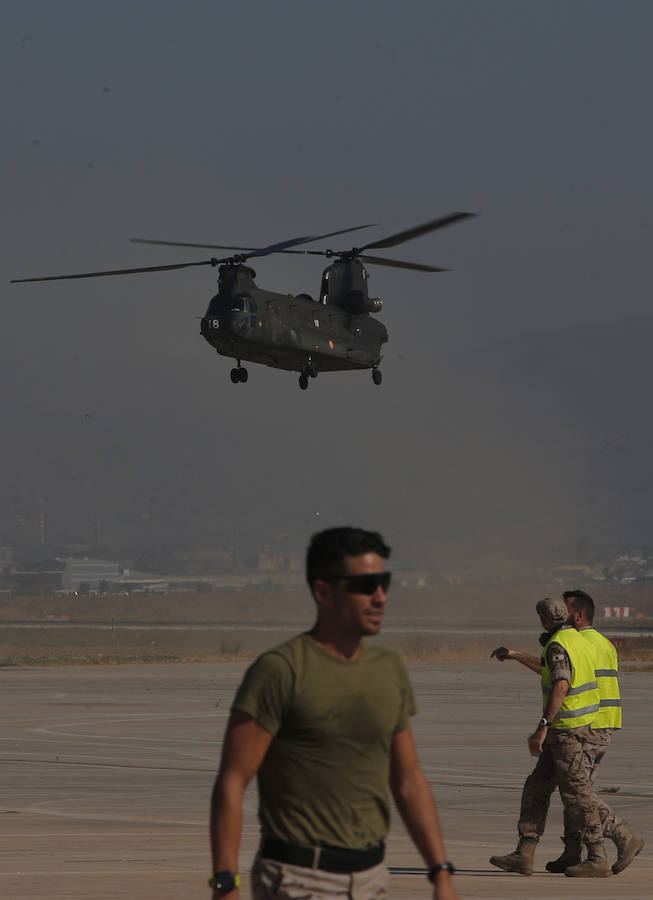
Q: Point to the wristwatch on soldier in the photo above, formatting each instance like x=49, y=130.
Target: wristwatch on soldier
x=543, y=723
x=445, y=866
x=224, y=881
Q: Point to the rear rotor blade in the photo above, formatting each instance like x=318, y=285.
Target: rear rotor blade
x=205, y=262
x=411, y=233
x=400, y=264
x=375, y=260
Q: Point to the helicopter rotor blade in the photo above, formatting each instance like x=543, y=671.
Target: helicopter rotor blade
x=280, y=247
x=205, y=262
x=293, y=242
x=346, y=230
x=375, y=260
x=182, y=244
x=411, y=233
x=400, y=264
x=250, y=251
x=392, y=241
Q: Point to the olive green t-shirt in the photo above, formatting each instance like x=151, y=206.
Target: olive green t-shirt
x=324, y=779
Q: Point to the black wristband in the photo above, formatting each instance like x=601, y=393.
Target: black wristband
x=433, y=871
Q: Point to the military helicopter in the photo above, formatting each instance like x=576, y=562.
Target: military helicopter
x=336, y=332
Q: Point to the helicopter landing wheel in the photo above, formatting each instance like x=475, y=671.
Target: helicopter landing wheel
x=310, y=370
x=239, y=373
x=377, y=375
x=303, y=381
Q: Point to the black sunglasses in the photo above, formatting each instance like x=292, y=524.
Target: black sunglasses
x=364, y=584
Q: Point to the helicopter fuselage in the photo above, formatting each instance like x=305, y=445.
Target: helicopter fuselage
x=289, y=332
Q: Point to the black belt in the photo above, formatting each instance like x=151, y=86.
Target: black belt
x=329, y=859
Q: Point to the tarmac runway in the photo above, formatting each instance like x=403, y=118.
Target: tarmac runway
x=106, y=774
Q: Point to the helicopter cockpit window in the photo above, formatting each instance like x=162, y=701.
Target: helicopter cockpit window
x=324, y=289
x=242, y=304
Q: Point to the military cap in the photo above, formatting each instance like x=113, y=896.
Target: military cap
x=553, y=608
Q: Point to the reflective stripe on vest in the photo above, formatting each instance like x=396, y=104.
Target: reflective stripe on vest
x=581, y=703
x=607, y=678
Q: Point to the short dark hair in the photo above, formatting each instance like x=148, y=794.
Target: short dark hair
x=327, y=550
x=581, y=602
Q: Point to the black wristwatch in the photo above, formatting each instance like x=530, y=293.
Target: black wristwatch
x=433, y=871
x=543, y=723
x=224, y=881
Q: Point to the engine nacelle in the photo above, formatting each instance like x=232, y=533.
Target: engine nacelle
x=358, y=302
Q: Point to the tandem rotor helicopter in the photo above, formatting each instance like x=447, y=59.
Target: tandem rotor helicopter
x=336, y=332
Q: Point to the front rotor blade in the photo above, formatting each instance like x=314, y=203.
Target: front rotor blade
x=411, y=233
x=180, y=244
x=400, y=264
x=205, y=262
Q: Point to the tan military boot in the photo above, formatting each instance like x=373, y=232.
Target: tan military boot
x=571, y=855
x=628, y=846
x=595, y=866
x=520, y=860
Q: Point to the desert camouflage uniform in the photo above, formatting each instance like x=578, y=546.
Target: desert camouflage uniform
x=567, y=760
x=609, y=819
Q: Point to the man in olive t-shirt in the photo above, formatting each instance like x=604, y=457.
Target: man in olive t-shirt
x=324, y=779
x=323, y=722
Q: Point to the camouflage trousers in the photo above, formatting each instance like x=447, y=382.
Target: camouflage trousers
x=609, y=821
x=273, y=880
x=567, y=762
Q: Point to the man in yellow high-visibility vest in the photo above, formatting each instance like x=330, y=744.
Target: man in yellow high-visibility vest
x=562, y=742
x=580, y=608
x=581, y=615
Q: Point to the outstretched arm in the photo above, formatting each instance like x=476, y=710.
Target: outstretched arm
x=414, y=800
x=531, y=662
x=244, y=748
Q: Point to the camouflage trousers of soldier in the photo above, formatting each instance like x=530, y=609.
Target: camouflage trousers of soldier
x=567, y=762
x=609, y=820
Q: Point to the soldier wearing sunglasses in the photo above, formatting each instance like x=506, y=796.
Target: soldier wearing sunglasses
x=323, y=722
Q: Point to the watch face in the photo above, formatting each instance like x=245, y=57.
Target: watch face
x=224, y=881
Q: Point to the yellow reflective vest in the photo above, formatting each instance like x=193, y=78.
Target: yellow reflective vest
x=581, y=705
x=607, y=679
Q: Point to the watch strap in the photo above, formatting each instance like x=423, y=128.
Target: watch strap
x=224, y=881
x=445, y=866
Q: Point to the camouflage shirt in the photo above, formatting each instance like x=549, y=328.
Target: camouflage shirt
x=558, y=662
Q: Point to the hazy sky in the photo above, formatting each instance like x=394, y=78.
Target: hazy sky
x=251, y=122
